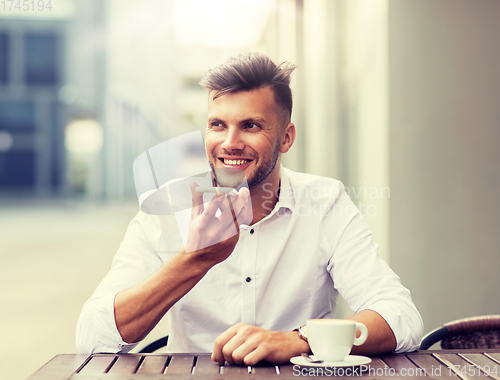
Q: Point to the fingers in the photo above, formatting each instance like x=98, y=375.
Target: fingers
x=233, y=214
x=230, y=347
x=246, y=344
x=250, y=352
x=253, y=356
x=197, y=200
x=233, y=204
x=243, y=207
x=240, y=344
x=216, y=203
x=208, y=227
x=220, y=342
x=228, y=219
x=238, y=208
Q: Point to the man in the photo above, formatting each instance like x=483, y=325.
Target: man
x=244, y=297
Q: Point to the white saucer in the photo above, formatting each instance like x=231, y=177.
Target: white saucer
x=349, y=361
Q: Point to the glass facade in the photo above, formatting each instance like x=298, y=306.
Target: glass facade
x=41, y=59
x=17, y=169
x=56, y=141
x=17, y=115
x=4, y=58
x=25, y=163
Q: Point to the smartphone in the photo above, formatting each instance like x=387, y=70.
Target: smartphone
x=217, y=190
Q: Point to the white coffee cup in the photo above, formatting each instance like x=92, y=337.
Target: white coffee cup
x=332, y=339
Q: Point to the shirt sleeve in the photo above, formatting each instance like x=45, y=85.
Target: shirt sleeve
x=135, y=261
x=363, y=279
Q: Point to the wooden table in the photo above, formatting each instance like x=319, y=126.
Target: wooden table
x=444, y=364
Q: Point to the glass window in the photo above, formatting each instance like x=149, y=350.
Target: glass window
x=4, y=58
x=40, y=59
x=57, y=146
x=17, y=169
x=17, y=114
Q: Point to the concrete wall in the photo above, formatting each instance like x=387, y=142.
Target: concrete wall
x=444, y=73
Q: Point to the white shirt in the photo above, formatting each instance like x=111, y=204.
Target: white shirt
x=289, y=267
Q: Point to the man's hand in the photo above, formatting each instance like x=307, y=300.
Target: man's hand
x=213, y=238
x=247, y=345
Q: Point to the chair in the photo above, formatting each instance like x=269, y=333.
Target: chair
x=157, y=344
x=468, y=333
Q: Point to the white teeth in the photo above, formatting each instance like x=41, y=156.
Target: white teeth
x=235, y=162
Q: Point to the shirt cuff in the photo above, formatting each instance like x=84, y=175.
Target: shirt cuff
x=97, y=328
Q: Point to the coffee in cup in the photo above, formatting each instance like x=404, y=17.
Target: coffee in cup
x=332, y=339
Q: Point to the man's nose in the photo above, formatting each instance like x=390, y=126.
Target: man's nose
x=233, y=140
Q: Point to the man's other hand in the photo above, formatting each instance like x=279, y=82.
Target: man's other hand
x=247, y=345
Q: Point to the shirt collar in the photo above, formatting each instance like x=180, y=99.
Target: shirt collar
x=286, y=198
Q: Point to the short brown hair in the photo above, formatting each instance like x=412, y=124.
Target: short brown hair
x=250, y=71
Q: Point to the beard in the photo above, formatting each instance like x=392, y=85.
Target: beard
x=235, y=178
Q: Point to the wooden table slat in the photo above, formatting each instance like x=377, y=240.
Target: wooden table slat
x=464, y=369
x=436, y=364
x=377, y=363
x=97, y=365
x=61, y=367
x=433, y=367
x=401, y=364
x=205, y=366
x=235, y=370
x=288, y=370
x=126, y=364
x=153, y=364
x=488, y=366
x=180, y=365
x=269, y=370
x=495, y=355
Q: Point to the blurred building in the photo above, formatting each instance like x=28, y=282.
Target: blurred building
x=89, y=86
x=32, y=70
x=51, y=73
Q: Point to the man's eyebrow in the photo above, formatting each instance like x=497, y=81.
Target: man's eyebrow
x=215, y=119
x=254, y=120
x=244, y=121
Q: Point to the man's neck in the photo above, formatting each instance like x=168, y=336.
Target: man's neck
x=264, y=197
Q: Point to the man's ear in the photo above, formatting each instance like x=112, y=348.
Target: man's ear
x=288, y=138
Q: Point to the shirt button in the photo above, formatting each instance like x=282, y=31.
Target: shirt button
x=251, y=231
x=248, y=279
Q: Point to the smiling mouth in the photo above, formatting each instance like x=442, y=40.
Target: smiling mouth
x=229, y=162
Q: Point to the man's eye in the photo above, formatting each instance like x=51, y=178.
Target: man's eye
x=216, y=125
x=252, y=126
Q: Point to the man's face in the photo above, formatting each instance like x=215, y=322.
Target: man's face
x=244, y=133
